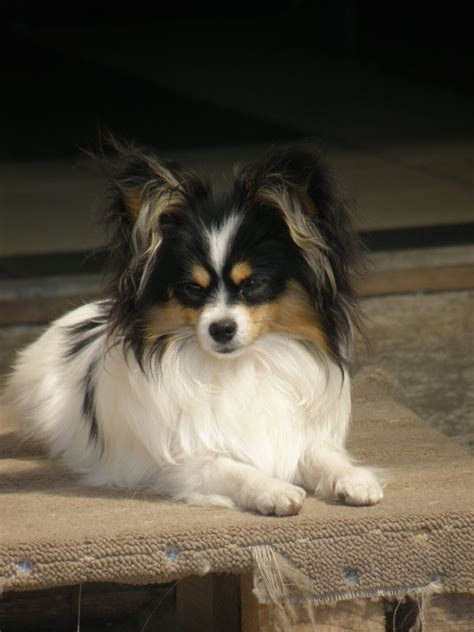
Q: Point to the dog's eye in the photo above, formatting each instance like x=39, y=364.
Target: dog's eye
x=193, y=287
x=247, y=286
x=249, y=282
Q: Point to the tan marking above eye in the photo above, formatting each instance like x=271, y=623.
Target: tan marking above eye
x=240, y=271
x=200, y=276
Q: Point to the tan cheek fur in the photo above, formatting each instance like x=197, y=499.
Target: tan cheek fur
x=169, y=319
x=290, y=314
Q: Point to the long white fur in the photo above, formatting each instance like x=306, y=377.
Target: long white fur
x=254, y=430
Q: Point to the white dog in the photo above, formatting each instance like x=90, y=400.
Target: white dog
x=215, y=370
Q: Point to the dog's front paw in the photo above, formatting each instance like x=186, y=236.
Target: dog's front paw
x=280, y=498
x=359, y=487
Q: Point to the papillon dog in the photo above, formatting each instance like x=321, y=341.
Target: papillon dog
x=215, y=370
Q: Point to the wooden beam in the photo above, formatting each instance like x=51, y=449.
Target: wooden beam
x=343, y=616
x=195, y=603
x=449, y=613
x=252, y=619
x=384, y=282
x=101, y=606
x=377, y=283
x=208, y=604
x=41, y=309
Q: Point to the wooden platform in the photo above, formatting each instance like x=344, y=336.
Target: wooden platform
x=417, y=544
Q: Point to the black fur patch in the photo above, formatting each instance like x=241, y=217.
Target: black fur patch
x=81, y=335
x=88, y=403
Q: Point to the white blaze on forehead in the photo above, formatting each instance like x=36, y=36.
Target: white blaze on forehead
x=219, y=239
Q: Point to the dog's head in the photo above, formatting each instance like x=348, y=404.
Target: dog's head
x=272, y=254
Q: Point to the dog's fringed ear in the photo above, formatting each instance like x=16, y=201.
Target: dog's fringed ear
x=143, y=193
x=141, y=188
x=296, y=183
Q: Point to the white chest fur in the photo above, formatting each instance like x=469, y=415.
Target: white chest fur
x=262, y=408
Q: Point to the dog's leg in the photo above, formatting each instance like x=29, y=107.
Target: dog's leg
x=221, y=480
x=329, y=472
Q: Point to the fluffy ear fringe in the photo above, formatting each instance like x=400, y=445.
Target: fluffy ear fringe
x=142, y=193
x=297, y=184
x=141, y=190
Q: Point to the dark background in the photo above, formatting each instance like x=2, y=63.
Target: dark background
x=55, y=102
x=61, y=92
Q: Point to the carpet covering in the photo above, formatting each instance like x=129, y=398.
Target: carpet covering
x=54, y=531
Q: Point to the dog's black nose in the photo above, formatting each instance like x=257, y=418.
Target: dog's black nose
x=223, y=330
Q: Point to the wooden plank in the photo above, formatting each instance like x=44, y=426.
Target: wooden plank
x=417, y=280
x=194, y=604
x=449, y=613
x=376, y=283
x=208, y=604
x=40, y=310
x=249, y=607
x=344, y=616
x=353, y=616
x=227, y=603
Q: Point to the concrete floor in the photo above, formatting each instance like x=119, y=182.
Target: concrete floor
x=426, y=342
